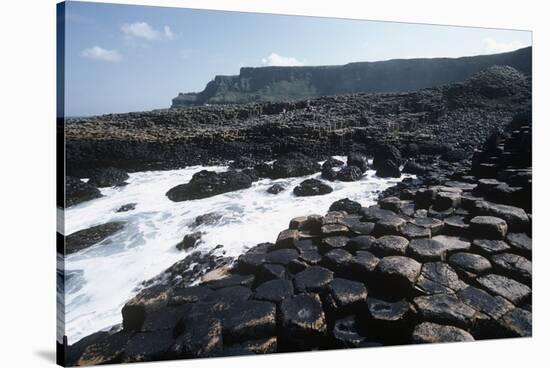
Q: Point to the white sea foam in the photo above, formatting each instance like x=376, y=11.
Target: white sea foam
x=100, y=279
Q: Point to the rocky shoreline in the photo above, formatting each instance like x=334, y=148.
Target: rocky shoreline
x=443, y=257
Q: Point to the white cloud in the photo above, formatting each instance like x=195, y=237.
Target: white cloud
x=278, y=60
x=492, y=46
x=99, y=53
x=168, y=33
x=144, y=31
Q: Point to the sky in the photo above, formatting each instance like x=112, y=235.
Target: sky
x=121, y=58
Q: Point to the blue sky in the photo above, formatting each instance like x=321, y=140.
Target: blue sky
x=122, y=58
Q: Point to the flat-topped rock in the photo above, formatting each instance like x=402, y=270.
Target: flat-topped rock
x=494, y=306
x=456, y=226
x=389, y=226
x=333, y=242
x=515, y=217
x=313, y=279
x=428, y=332
x=438, y=278
x=391, y=203
x=445, y=309
x=397, y=274
x=435, y=225
x=453, y=243
x=334, y=229
x=385, y=311
x=312, y=187
x=517, y=323
x=281, y=256
x=514, y=266
x=375, y=213
x=302, y=322
x=345, y=296
x=361, y=242
x=470, y=264
x=488, y=247
x=389, y=245
x=346, y=333
x=488, y=227
x=362, y=228
x=521, y=242
x=363, y=264
x=412, y=231
x=338, y=260
x=249, y=320
x=505, y=287
x=426, y=250
x=274, y=291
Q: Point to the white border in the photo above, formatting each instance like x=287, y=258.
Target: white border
x=27, y=81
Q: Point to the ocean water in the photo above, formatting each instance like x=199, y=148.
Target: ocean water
x=100, y=279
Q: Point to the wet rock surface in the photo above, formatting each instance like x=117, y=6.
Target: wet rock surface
x=420, y=266
x=85, y=238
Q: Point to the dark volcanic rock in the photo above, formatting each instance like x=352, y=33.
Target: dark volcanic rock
x=148, y=346
x=302, y=323
x=345, y=333
x=108, y=177
x=345, y=296
x=274, y=291
x=349, y=173
x=208, y=183
x=358, y=160
x=514, y=266
x=127, y=207
x=249, y=320
x=517, y=323
x=387, y=160
x=276, y=188
x=428, y=332
x=189, y=241
x=77, y=191
x=505, y=287
x=85, y=238
x=438, y=278
x=470, y=264
x=495, y=307
x=427, y=250
x=313, y=279
x=200, y=338
x=311, y=187
x=351, y=207
x=292, y=167
x=488, y=227
x=389, y=245
x=398, y=274
x=445, y=309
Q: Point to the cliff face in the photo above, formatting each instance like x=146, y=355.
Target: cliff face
x=291, y=83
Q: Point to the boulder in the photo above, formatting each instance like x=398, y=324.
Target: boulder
x=345, y=333
x=312, y=187
x=209, y=183
x=520, y=242
x=276, y=188
x=293, y=167
x=351, y=207
x=517, y=323
x=434, y=225
x=358, y=160
x=349, y=173
x=387, y=160
x=337, y=260
x=361, y=242
x=453, y=243
x=83, y=239
x=189, y=241
x=127, y=207
x=362, y=265
x=77, y=191
x=108, y=177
